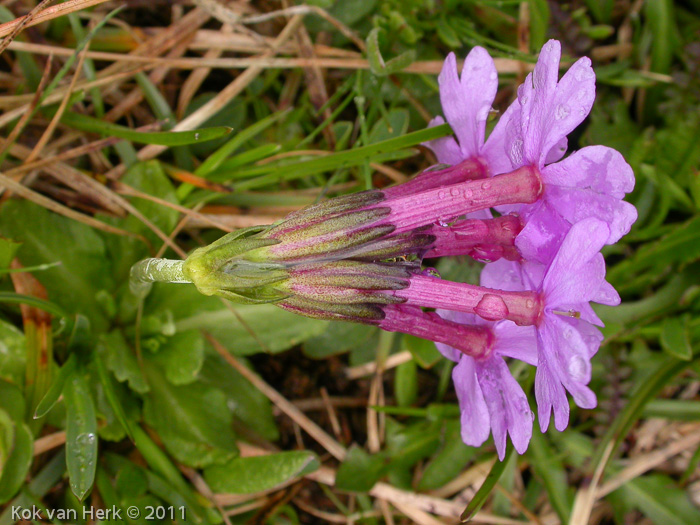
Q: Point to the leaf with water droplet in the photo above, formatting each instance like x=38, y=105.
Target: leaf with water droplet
x=81, y=434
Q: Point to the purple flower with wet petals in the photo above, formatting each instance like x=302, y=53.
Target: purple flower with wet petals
x=566, y=336
x=490, y=399
x=589, y=183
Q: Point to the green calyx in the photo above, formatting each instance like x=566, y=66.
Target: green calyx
x=223, y=269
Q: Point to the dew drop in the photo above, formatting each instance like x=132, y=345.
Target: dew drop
x=530, y=303
x=454, y=192
x=443, y=223
x=196, y=136
x=493, y=75
x=577, y=368
x=491, y=307
x=562, y=112
x=516, y=152
x=485, y=185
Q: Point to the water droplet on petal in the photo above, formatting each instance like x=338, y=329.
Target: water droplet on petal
x=577, y=368
x=485, y=185
x=516, y=152
x=493, y=75
x=562, y=112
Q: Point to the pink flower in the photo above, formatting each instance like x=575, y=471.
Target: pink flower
x=490, y=399
x=566, y=336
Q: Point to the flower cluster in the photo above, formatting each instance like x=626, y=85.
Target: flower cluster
x=358, y=257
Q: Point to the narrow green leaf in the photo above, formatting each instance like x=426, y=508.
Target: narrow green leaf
x=344, y=159
x=489, y=483
x=661, y=500
x=56, y=388
x=675, y=340
x=162, y=138
x=110, y=393
x=41, y=304
x=259, y=473
x=81, y=435
x=406, y=383
x=552, y=473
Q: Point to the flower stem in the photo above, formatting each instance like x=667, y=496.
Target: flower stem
x=524, y=308
x=477, y=237
x=522, y=186
x=474, y=341
x=469, y=169
x=145, y=273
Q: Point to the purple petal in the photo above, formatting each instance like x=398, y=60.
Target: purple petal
x=576, y=272
x=475, y=421
x=535, y=97
x=568, y=354
x=507, y=405
x=557, y=152
x=495, y=151
x=551, y=110
x=543, y=233
x=551, y=396
x=446, y=149
x=518, y=342
x=606, y=294
x=599, y=168
x=466, y=101
x=575, y=205
x=502, y=275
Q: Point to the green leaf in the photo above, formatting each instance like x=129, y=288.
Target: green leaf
x=551, y=471
x=449, y=461
x=359, y=471
x=376, y=62
x=121, y=360
x=406, y=383
x=8, y=249
x=675, y=339
x=18, y=462
x=424, y=352
x=110, y=405
x=14, y=354
x=192, y=420
x=347, y=158
x=260, y=473
x=661, y=500
x=47, y=238
x=246, y=402
x=81, y=435
x=338, y=338
x=394, y=124
x=163, y=138
x=407, y=446
x=182, y=356
x=539, y=23
x=244, y=330
x=487, y=486
x=56, y=388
